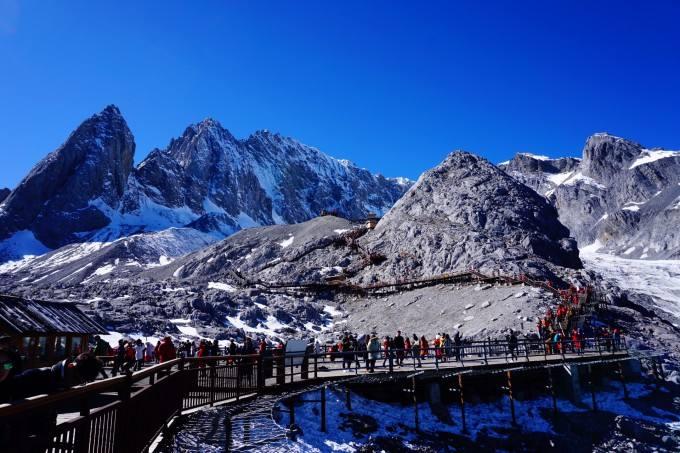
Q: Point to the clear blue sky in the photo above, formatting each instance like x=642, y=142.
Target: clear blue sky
x=393, y=86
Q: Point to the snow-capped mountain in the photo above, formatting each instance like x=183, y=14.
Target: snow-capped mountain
x=89, y=190
x=621, y=197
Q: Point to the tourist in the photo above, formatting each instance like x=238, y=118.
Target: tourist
x=155, y=351
x=424, y=347
x=139, y=354
x=166, y=350
x=60, y=376
x=457, y=342
x=415, y=350
x=399, y=347
x=346, y=352
x=119, y=358
x=447, y=346
x=387, y=349
x=374, y=351
x=150, y=352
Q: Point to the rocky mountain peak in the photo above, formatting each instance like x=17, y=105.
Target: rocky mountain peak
x=467, y=212
x=4, y=193
x=604, y=155
x=58, y=198
x=530, y=163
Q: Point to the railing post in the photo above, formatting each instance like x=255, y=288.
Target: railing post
x=316, y=366
x=238, y=380
x=389, y=357
x=83, y=431
x=212, y=385
x=486, y=360
x=304, y=368
x=260, y=373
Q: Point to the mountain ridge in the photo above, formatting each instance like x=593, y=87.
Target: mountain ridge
x=88, y=189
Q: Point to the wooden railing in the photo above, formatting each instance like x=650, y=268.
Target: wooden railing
x=126, y=413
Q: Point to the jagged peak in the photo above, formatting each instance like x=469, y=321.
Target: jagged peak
x=599, y=137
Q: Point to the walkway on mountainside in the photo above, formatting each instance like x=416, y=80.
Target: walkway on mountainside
x=125, y=413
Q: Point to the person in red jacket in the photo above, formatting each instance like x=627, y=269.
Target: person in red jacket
x=166, y=350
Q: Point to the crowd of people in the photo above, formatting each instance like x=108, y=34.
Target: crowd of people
x=353, y=349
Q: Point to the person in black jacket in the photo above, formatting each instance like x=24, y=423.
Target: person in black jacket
x=60, y=376
x=399, y=346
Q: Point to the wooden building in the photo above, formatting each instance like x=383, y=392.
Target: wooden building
x=45, y=332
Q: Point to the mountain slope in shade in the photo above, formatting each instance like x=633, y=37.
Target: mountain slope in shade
x=88, y=189
x=620, y=196
x=54, y=200
x=4, y=193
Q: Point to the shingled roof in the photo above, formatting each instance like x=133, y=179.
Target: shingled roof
x=19, y=316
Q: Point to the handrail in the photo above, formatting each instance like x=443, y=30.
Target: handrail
x=199, y=381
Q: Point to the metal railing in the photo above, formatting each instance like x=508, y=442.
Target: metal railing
x=126, y=413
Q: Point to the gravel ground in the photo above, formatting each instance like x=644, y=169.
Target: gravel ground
x=477, y=311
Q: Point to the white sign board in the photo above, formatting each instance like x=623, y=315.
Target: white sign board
x=295, y=352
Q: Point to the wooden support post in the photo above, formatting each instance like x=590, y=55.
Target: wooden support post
x=323, y=408
x=486, y=360
x=623, y=380
x=462, y=402
x=390, y=358
x=292, y=412
x=227, y=431
x=512, y=399
x=280, y=366
x=415, y=403
x=260, y=373
x=238, y=381
x=304, y=368
x=551, y=385
x=292, y=370
x=82, y=443
x=212, y=385
x=316, y=366
x=591, y=384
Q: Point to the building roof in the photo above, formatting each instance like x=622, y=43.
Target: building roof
x=27, y=316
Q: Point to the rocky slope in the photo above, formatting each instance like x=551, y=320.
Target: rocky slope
x=621, y=196
x=89, y=190
x=464, y=213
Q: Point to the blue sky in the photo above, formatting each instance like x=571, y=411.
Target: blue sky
x=391, y=85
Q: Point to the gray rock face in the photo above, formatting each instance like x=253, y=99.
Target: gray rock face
x=468, y=213
x=266, y=179
x=4, y=193
x=56, y=199
x=622, y=195
x=464, y=213
x=88, y=189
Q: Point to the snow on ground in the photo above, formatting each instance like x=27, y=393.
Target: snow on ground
x=559, y=178
x=483, y=418
x=647, y=156
x=222, y=286
x=287, y=242
x=268, y=327
x=659, y=279
x=186, y=330
x=112, y=337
